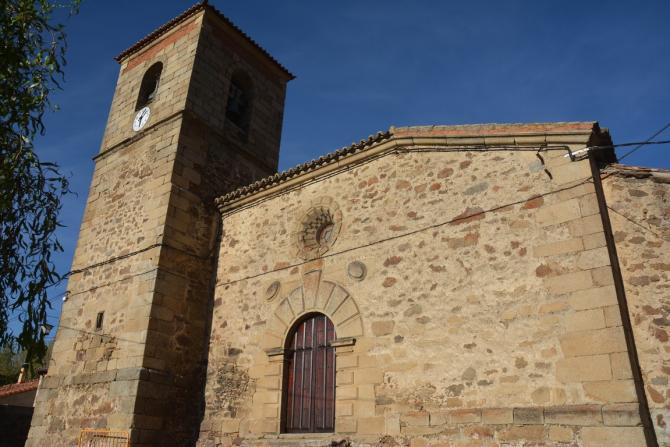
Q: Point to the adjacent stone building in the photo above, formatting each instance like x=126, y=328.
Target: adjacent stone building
x=480, y=285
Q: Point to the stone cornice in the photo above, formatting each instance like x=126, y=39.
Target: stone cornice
x=476, y=137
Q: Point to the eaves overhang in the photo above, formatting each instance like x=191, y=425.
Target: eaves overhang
x=471, y=137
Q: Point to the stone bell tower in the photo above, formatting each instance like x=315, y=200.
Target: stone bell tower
x=197, y=112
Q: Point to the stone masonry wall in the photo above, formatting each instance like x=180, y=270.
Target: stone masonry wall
x=95, y=375
x=639, y=202
x=145, y=253
x=487, y=314
x=212, y=158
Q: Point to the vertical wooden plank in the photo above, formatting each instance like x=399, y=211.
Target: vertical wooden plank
x=330, y=378
x=320, y=372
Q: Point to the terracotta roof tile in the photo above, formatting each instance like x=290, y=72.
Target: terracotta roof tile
x=17, y=388
x=457, y=131
x=658, y=175
x=324, y=160
x=472, y=130
x=146, y=40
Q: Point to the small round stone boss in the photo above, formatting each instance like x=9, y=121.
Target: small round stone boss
x=272, y=290
x=357, y=270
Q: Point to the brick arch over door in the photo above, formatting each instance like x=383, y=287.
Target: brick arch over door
x=314, y=295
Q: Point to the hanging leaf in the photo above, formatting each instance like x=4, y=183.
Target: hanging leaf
x=32, y=54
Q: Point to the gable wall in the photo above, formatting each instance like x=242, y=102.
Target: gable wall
x=640, y=215
x=501, y=327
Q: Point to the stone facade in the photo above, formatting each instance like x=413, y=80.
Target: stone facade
x=145, y=252
x=471, y=274
x=487, y=314
x=639, y=208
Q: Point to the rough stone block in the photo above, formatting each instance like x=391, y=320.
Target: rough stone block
x=346, y=392
x=344, y=408
x=392, y=424
x=611, y=391
x=593, y=297
x=590, y=259
x=622, y=414
x=573, y=415
x=613, y=316
x=584, y=369
x=588, y=205
x=365, y=408
x=380, y=328
x=269, y=425
x=366, y=392
x=571, y=172
x=528, y=416
x=270, y=411
x=561, y=434
x=527, y=433
x=465, y=416
x=558, y=248
x=416, y=430
x=586, y=225
x=597, y=341
x=345, y=377
x=621, y=365
x=497, y=415
x=613, y=436
x=595, y=240
x=585, y=320
x=439, y=417
x=569, y=282
x=421, y=418
x=344, y=361
x=368, y=375
x=602, y=276
x=123, y=388
x=558, y=213
x=371, y=425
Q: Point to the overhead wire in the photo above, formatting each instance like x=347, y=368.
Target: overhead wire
x=328, y=255
x=647, y=141
x=474, y=148
x=633, y=221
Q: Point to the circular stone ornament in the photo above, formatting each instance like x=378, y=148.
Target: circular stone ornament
x=272, y=290
x=357, y=270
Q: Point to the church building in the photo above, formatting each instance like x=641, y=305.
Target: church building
x=445, y=286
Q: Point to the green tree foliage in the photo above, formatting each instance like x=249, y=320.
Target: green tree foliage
x=32, y=57
x=11, y=362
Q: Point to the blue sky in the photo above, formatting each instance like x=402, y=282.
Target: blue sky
x=363, y=66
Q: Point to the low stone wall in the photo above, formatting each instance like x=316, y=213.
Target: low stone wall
x=14, y=425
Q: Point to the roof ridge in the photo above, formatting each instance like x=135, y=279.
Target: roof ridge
x=146, y=40
x=436, y=131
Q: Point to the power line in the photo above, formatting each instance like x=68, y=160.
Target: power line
x=410, y=233
x=473, y=148
x=433, y=226
x=399, y=236
x=631, y=220
x=96, y=334
x=647, y=141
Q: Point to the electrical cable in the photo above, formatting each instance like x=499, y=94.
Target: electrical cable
x=639, y=224
x=647, y=141
x=328, y=255
x=482, y=148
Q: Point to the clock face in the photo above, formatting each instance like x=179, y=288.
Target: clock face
x=141, y=118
